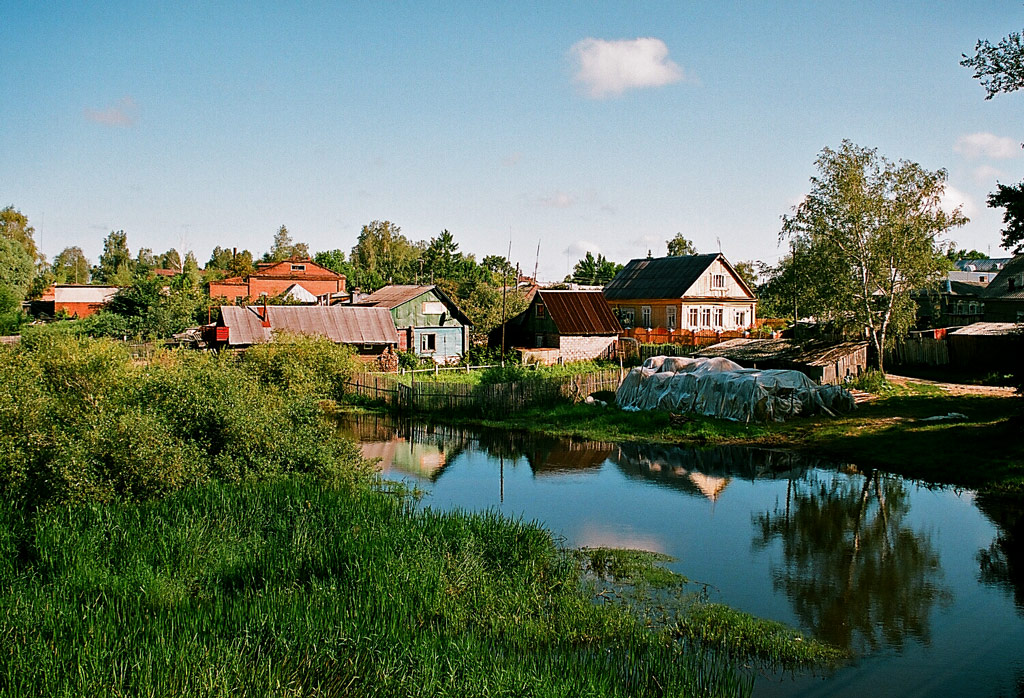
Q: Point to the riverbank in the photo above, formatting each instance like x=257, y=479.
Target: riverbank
x=892, y=432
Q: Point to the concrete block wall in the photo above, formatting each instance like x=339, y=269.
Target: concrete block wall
x=574, y=348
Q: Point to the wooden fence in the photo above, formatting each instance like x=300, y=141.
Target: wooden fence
x=918, y=351
x=500, y=398
x=659, y=335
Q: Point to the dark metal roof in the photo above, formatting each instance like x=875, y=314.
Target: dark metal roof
x=1000, y=285
x=660, y=277
x=580, y=312
x=754, y=350
x=989, y=329
x=344, y=324
x=397, y=294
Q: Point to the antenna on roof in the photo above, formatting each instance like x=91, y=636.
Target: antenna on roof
x=536, y=263
x=719, y=241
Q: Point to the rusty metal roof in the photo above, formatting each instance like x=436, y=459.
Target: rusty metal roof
x=397, y=294
x=986, y=329
x=344, y=324
x=1000, y=285
x=579, y=312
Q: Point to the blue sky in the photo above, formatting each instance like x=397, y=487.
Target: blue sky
x=203, y=124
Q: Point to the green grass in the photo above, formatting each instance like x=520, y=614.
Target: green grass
x=302, y=589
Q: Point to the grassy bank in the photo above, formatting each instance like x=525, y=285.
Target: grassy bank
x=299, y=588
x=982, y=452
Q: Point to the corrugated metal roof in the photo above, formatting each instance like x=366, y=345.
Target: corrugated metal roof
x=1000, y=285
x=660, y=277
x=580, y=312
x=344, y=324
x=390, y=296
x=298, y=268
x=986, y=328
x=753, y=350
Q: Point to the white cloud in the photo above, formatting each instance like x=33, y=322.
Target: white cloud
x=579, y=248
x=986, y=174
x=987, y=145
x=558, y=199
x=121, y=114
x=953, y=197
x=609, y=68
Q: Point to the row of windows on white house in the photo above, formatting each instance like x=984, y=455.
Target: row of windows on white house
x=697, y=317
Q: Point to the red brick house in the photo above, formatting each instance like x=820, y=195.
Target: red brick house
x=77, y=300
x=274, y=278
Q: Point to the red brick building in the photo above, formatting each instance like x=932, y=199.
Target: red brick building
x=274, y=278
x=77, y=300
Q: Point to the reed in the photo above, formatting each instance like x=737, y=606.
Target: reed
x=302, y=588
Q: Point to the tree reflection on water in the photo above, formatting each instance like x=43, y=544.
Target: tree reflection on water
x=1002, y=563
x=855, y=572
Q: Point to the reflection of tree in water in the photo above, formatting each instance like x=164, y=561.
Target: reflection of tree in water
x=1002, y=563
x=855, y=573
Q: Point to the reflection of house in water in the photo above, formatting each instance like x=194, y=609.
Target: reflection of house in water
x=404, y=446
x=706, y=472
x=422, y=460
x=551, y=456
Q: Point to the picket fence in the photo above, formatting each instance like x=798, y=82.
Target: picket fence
x=496, y=399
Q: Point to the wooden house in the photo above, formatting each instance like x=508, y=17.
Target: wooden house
x=699, y=292
x=428, y=321
x=1004, y=297
x=563, y=326
x=822, y=362
x=368, y=330
x=274, y=279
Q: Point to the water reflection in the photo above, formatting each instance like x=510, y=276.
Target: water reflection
x=1002, y=562
x=854, y=571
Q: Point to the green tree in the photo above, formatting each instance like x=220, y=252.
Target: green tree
x=748, y=272
x=16, y=267
x=880, y=222
x=999, y=67
x=442, y=259
x=116, y=266
x=594, y=271
x=14, y=226
x=382, y=255
x=680, y=246
x=71, y=266
x=285, y=248
x=1011, y=199
x=145, y=262
x=502, y=271
x=171, y=259
x=333, y=260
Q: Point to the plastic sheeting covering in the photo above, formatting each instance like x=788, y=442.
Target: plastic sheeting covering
x=718, y=387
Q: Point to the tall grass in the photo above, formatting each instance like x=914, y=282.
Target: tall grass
x=301, y=588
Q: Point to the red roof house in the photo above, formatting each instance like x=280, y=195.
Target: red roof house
x=273, y=279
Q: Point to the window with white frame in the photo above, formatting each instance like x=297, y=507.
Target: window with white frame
x=693, y=317
x=741, y=318
x=719, y=315
x=645, y=315
x=705, y=317
x=626, y=315
x=670, y=317
x=298, y=267
x=428, y=342
x=718, y=281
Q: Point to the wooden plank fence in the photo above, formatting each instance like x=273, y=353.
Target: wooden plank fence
x=918, y=351
x=499, y=398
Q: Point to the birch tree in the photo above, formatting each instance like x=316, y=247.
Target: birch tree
x=881, y=222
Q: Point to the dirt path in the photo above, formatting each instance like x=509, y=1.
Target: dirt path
x=957, y=388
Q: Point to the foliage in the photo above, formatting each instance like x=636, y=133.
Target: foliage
x=14, y=226
x=335, y=261
x=680, y=246
x=869, y=230
x=12, y=319
x=593, y=271
x=999, y=67
x=116, y=266
x=16, y=268
x=748, y=272
x=79, y=420
x=230, y=262
x=874, y=382
x=408, y=360
x=144, y=310
x=285, y=248
x=382, y=255
x=308, y=367
x=483, y=305
x=71, y=266
x=1010, y=198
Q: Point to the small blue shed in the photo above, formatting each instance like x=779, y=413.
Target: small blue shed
x=428, y=321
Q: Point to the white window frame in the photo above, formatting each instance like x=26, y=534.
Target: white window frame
x=645, y=315
x=719, y=317
x=298, y=267
x=628, y=316
x=670, y=317
x=705, y=317
x=718, y=281
x=693, y=316
x=741, y=318
x=428, y=338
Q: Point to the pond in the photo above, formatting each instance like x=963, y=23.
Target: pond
x=925, y=585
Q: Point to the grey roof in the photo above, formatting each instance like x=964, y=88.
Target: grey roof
x=814, y=353
x=661, y=277
x=344, y=324
x=999, y=287
x=987, y=329
x=397, y=294
x=981, y=264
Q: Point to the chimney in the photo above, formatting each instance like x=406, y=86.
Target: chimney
x=948, y=286
x=354, y=296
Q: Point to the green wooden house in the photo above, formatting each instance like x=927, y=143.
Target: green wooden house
x=428, y=321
